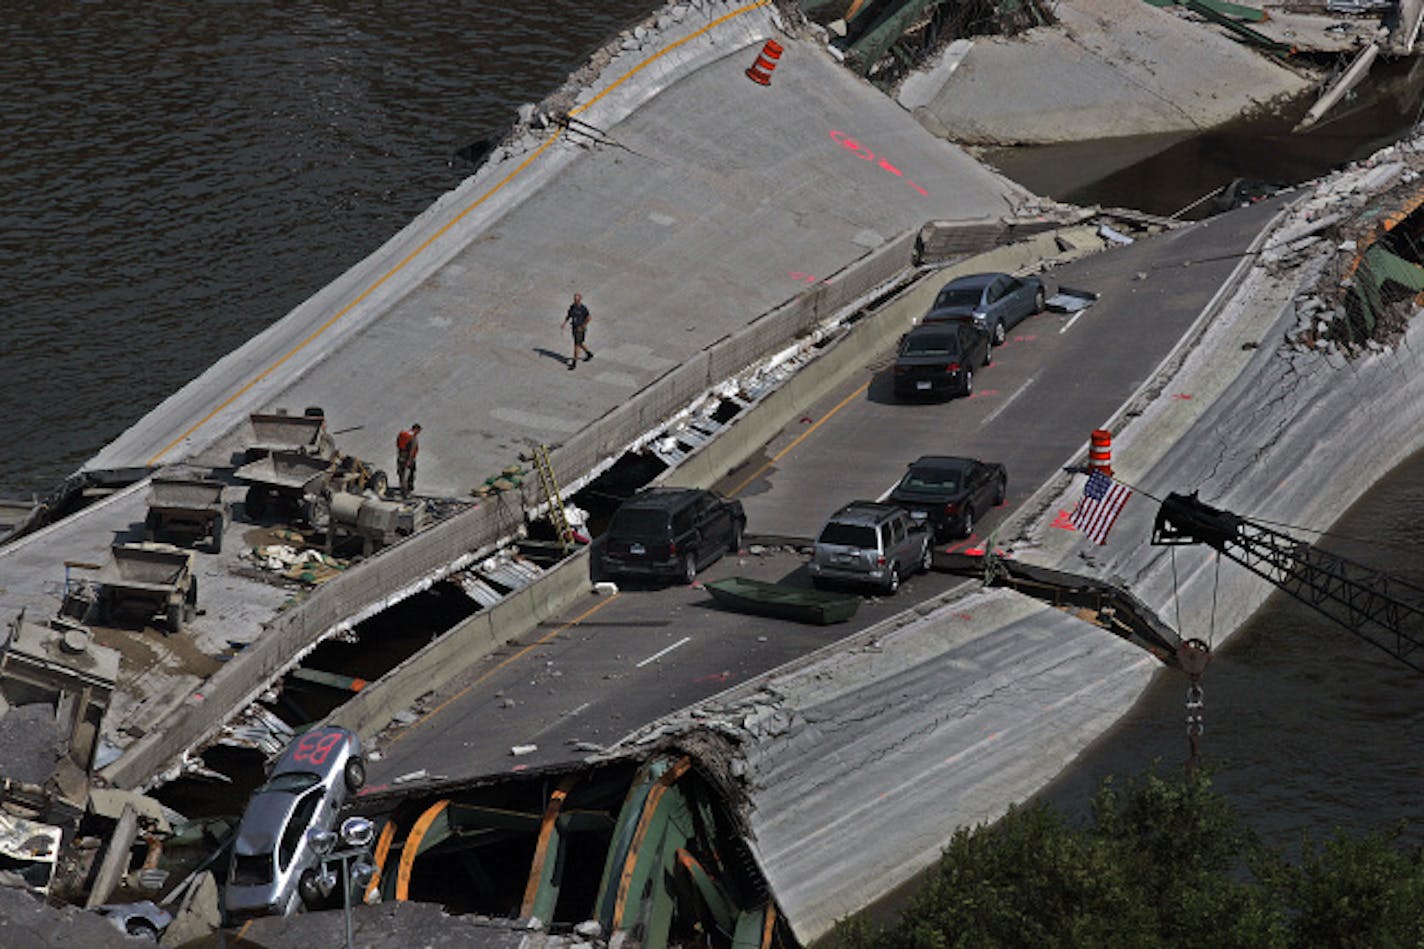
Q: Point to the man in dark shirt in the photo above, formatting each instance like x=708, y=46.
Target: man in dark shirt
x=578, y=319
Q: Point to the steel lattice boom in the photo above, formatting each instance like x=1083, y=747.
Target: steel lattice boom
x=1382, y=610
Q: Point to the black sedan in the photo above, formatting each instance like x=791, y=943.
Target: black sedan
x=994, y=302
x=940, y=358
x=949, y=493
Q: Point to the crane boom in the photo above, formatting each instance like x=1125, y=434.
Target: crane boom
x=1364, y=600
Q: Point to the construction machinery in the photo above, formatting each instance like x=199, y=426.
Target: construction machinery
x=303, y=434
x=186, y=510
x=146, y=582
x=1385, y=611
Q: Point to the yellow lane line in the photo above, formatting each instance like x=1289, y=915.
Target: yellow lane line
x=514, y=658
x=668, y=49
x=437, y=235
x=799, y=439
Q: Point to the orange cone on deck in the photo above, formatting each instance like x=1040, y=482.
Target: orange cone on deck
x=760, y=71
x=1100, y=451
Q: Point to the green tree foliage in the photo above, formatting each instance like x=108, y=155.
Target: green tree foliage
x=1164, y=862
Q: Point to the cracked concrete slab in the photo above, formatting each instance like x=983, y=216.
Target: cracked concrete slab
x=1107, y=69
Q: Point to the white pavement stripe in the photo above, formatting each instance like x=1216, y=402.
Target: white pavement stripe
x=995, y=414
x=1071, y=321
x=659, y=655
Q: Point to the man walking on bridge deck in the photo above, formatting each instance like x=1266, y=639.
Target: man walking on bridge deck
x=578, y=319
x=407, y=447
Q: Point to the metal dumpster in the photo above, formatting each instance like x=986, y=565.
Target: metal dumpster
x=279, y=432
x=144, y=581
x=185, y=510
x=283, y=478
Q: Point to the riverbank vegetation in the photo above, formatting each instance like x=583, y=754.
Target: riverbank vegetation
x=1163, y=861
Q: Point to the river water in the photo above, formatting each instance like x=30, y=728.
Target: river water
x=180, y=175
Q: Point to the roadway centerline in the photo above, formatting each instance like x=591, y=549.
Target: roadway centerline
x=659, y=655
x=799, y=439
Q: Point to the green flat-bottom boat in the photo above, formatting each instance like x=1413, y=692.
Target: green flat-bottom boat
x=781, y=601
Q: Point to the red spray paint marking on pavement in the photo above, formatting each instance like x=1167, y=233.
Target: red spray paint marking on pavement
x=1184, y=396
x=860, y=151
x=715, y=677
x=1064, y=520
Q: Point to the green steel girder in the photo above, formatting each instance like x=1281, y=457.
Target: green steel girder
x=473, y=816
x=751, y=925
x=623, y=832
x=1380, y=266
x=1224, y=7
x=714, y=895
x=871, y=46
x=1212, y=13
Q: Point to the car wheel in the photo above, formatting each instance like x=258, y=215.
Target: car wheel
x=966, y=388
x=689, y=567
x=736, y=545
x=355, y=774
x=256, y=502
x=968, y=521
x=892, y=583
x=999, y=334
x=1039, y=301
x=927, y=558
x=141, y=928
x=1001, y=492
x=988, y=355
x=308, y=890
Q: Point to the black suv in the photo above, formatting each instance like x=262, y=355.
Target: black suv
x=671, y=533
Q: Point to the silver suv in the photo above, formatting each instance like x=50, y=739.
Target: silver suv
x=870, y=542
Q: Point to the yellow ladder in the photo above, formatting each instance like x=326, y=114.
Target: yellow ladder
x=550, y=484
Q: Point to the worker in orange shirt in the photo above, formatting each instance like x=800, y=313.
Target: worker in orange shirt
x=407, y=447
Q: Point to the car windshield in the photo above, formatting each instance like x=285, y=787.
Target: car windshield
x=932, y=479
x=639, y=522
x=251, y=870
x=848, y=535
x=939, y=344
x=292, y=782
x=958, y=296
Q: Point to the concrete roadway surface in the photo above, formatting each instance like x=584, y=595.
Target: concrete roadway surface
x=701, y=201
x=612, y=665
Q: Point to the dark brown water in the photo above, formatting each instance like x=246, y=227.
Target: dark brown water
x=1308, y=727
x=177, y=176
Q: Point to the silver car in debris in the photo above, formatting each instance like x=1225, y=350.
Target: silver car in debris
x=274, y=866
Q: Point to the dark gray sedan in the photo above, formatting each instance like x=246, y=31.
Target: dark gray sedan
x=993, y=302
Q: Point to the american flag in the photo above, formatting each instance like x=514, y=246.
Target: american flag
x=1099, y=507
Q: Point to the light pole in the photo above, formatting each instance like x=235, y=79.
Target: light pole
x=357, y=834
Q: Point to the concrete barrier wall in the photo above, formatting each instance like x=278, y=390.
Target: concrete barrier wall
x=451, y=656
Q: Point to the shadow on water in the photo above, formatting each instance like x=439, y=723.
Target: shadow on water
x=1172, y=174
